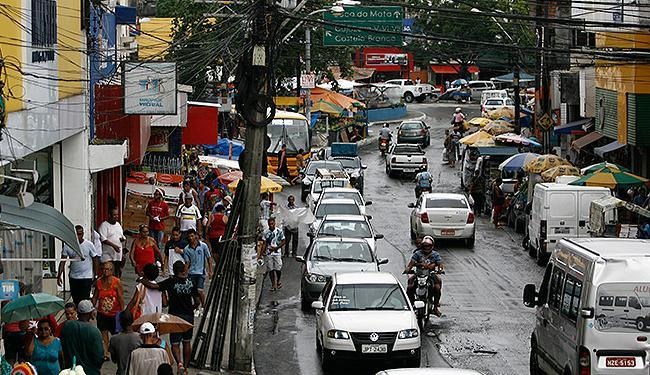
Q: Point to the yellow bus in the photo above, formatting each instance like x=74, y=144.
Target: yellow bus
x=291, y=129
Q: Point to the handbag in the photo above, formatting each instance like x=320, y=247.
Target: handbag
x=136, y=310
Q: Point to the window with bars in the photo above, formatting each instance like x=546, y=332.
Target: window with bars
x=43, y=23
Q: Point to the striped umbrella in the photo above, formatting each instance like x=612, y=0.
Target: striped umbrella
x=596, y=167
x=561, y=170
x=612, y=179
x=515, y=139
x=544, y=162
x=516, y=162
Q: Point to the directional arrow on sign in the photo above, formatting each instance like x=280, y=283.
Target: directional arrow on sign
x=545, y=122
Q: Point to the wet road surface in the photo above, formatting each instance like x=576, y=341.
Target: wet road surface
x=484, y=324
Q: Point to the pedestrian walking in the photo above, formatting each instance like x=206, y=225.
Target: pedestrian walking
x=188, y=216
x=149, y=356
x=300, y=164
x=44, y=350
x=183, y=297
x=82, y=268
x=477, y=192
x=188, y=191
x=291, y=231
x=70, y=312
x=108, y=298
x=124, y=343
x=146, y=300
x=217, y=223
x=112, y=237
x=202, y=194
x=273, y=239
x=144, y=250
x=82, y=341
x=173, y=251
x=450, y=149
x=157, y=211
x=498, y=200
x=283, y=163
x=198, y=261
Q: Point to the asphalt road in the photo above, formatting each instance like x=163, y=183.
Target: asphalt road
x=484, y=324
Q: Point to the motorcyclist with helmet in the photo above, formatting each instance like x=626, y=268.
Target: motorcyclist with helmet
x=385, y=136
x=425, y=257
x=423, y=182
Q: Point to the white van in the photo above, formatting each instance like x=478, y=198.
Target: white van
x=556, y=211
x=489, y=94
x=593, y=309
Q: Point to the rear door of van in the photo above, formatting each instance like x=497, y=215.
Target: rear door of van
x=562, y=215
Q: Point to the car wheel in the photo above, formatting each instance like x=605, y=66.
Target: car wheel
x=415, y=361
x=319, y=347
x=541, y=259
x=413, y=234
x=640, y=324
x=304, y=302
x=534, y=361
x=532, y=251
x=408, y=97
x=470, y=242
x=428, y=142
x=456, y=97
x=420, y=99
x=519, y=228
x=303, y=196
x=326, y=359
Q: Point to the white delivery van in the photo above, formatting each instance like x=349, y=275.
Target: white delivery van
x=489, y=94
x=557, y=211
x=592, y=309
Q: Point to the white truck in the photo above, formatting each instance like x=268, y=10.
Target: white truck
x=405, y=158
x=412, y=91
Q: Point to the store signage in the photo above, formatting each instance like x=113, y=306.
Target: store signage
x=307, y=81
x=9, y=290
x=149, y=88
x=372, y=26
x=374, y=59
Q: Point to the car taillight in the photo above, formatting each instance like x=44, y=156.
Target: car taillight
x=542, y=229
x=399, y=132
x=424, y=217
x=393, y=160
x=423, y=131
x=584, y=361
x=470, y=218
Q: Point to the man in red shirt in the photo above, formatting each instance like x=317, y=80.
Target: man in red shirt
x=157, y=211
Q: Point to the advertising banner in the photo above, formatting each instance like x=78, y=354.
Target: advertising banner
x=149, y=88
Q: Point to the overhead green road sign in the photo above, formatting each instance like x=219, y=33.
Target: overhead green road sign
x=386, y=23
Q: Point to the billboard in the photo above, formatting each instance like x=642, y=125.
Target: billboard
x=149, y=88
x=373, y=59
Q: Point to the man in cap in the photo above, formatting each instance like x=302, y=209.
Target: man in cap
x=425, y=257
x=188, y=216
x=147, y=358
x=81, y=340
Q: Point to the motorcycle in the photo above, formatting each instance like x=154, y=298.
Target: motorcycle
x=420, y=190
x=383, y=146
x=423, y=285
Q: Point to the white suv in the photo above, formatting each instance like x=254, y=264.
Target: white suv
x=366, y=315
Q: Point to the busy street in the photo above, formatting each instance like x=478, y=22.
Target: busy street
x=484, y=325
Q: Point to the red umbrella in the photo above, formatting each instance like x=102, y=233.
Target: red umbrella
x=229, y=177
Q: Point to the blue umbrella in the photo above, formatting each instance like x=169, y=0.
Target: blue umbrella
x=459, y=82
x=516, y=162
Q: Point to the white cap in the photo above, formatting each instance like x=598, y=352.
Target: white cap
x=147, y=328
x=85, y=307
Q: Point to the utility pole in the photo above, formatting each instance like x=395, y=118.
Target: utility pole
x=515, y=83
x=308, y=71
x=257, y=108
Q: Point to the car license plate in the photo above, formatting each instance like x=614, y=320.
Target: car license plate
x=409, y=170
x=448, y=232
x=374, y=348
x=562, y=230
x=620, y=362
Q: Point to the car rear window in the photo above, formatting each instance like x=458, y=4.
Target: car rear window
x=342, y=195
x=446, y=203
x=331, y=165
x=350, y=229
x=407, y=149
x=337, y=209
x=494, y=102
x=411, y=126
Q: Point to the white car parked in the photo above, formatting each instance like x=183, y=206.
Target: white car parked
x=366, y=314
x=341, y=193
x=497, y=103
x=443, y=215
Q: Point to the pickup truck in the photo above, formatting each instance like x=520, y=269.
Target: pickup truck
x=405, y=159
x=412, y=91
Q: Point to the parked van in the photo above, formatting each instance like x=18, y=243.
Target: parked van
x=556, y=211
x=593, y=308
x=489, y=94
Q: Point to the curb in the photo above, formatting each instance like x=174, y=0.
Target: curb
x=372, y=138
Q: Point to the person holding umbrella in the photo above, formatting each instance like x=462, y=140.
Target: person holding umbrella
x=45, y=350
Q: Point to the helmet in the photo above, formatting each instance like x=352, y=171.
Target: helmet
x=458, y=109
x=386, y=125
x=427, y=241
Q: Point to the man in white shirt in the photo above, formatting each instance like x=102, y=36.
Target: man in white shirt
x=188, y=216
x=82, y=269
x=112, y=236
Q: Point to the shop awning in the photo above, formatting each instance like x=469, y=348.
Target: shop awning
x=523, y=77
x=601, y=151
x=38, y=217
x=571, y=126
x=453, y=69
x=498, y=151
x=586, y=140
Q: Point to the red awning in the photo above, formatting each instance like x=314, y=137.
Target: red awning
x=453, y=69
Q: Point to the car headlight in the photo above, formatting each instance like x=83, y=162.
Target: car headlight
x=408, y=333
x=336, y=334
x=316, y=278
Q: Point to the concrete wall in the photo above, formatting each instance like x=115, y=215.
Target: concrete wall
x=386, y=114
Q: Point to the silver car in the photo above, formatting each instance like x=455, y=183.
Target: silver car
x=443, y=215
x=328, y=256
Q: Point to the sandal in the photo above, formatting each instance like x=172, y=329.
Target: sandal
x=272, y=289
x=279, y=285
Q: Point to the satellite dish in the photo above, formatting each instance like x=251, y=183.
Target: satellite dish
x=25, y=199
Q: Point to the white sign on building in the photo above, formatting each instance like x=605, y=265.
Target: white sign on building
x=149, y=88
x=307, y=81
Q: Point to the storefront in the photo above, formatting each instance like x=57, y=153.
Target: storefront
x=387, y=62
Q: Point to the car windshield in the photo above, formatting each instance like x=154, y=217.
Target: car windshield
x=331, y=165
x=350, y=163
x=336, y=209
x=446, y=203
x=342, y=195
x=341, y=252
x=494, y=102
x=348, y=297
x=346, y=229
x=319, y=185
x=411, y=126
x=407, y=149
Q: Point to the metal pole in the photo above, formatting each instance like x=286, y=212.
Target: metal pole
x=515, y=83
x=308, y=71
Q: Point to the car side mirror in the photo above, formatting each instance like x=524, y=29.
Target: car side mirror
x=368, y=203
x=379, y=236
x=310, y=234
x=363, y=166
x=382, y=261
x=369, y=217
x=411, y=205
x=587, y=312
x=300, y=258
x=530, y=295
x=418, y=305
x=317, y=305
